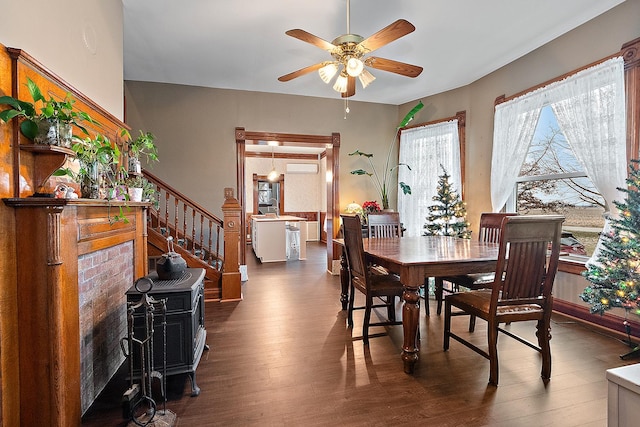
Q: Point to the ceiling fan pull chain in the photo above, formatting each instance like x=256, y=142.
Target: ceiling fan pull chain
x=346, y=107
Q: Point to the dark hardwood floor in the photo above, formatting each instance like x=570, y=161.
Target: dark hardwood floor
x=284, y=357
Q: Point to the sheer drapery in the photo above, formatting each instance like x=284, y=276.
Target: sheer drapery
x=591, y=113
x=515, y=122
x=425, y=148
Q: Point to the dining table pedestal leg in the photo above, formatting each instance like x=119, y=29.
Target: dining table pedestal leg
x=410, y=316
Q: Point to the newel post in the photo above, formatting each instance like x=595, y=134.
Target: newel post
x=231, y=285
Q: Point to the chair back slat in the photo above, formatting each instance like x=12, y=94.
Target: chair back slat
x=384, y=224
x=526, y=269
x=354, y=248
x=490, y=226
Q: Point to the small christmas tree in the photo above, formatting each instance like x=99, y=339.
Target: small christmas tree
x=448, y=217
x=615, y=277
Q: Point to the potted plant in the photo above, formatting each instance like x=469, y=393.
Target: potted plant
x=143, y=145
x=140, y=189
x=45, y=121
x=98, y=159
x=382, y=182
x=135, y=187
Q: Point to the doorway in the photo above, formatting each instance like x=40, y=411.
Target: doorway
x=331, y=147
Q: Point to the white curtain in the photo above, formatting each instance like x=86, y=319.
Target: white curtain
x=425, y=148
x=515, y=122
x=591, y=113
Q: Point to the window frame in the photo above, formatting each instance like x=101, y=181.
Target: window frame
x=630, y=52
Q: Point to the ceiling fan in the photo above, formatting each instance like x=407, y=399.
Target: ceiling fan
x=349, y=52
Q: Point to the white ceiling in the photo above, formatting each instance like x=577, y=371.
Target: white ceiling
x=241, y=44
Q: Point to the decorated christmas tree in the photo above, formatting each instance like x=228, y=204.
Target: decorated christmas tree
x=448, y=217
x=615, y=276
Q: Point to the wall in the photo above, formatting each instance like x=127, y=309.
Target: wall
x=202, y=142
x=79, y=40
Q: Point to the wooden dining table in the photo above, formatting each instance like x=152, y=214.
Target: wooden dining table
x=413, y=259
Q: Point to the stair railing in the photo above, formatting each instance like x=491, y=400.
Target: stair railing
x=192, y=226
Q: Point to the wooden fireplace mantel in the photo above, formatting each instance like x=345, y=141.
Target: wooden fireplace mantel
x=52, y=235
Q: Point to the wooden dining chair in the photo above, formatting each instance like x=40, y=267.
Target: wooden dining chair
x=384, y=224
x=381, y=288
x=521, y=289
x=489, y=231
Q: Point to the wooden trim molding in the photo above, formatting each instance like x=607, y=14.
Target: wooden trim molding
x=331, y=143
x=608, y=322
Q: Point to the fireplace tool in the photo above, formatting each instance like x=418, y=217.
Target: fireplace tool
x=137, y=402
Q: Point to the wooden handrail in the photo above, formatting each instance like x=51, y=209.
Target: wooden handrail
x=193, y=227
x=160, y=183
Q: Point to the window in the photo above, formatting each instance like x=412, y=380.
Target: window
x=552, y=180
x=589, y=108
x=426, y=149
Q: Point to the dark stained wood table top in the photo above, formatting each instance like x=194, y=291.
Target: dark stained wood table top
x=415, y=258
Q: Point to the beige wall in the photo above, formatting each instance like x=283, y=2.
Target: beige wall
x=79, y=40
x=196, y=143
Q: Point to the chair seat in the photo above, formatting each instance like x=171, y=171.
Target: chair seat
x=472, y=281
x=477, y=303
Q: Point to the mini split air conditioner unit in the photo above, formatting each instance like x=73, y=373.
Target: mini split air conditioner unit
x=302, y=168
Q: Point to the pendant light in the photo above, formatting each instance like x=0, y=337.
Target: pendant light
x=273, y=175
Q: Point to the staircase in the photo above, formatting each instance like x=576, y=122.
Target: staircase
x=197, y=234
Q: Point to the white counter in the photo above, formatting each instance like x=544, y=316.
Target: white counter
x=269, y=236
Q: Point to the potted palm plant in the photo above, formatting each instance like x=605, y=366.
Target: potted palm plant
x=382, y=183
x=143, y=145
x=45, y=121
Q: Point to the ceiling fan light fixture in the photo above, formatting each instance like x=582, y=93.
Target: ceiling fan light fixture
x=354, y=67
x=341, y=83
x=365, y=78
x=327, y=72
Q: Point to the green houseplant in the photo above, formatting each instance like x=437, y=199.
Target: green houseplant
x=383, y=182
x=143, y=145
x=45, y=121
x=147, y=191
x=98, y=160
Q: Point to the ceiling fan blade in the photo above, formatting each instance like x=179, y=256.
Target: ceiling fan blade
x=301, y=72
x=393, y=66
x=388, y=34
x=351, y=87
x=310, y=38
